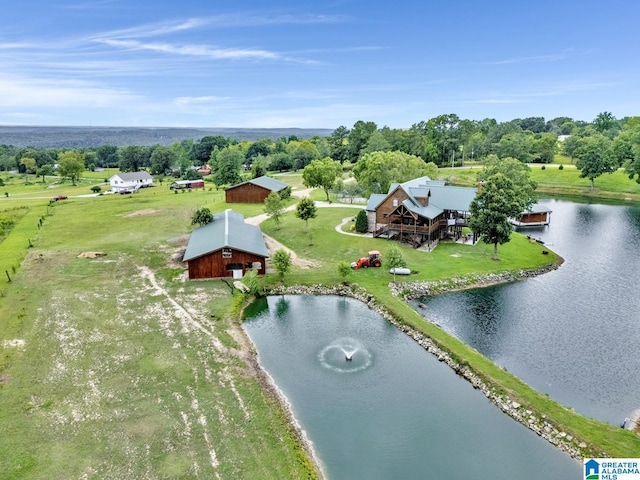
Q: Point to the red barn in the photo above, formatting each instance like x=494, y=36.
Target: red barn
x=225, y=247
x=254, y=191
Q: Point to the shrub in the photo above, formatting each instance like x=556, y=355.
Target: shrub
x=344, y=270
x=96, y=189
x=543, y=167
x=362, y=223
x=561, y=167
x=201, y=217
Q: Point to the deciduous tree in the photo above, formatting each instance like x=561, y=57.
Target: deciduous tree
x=344, y=270
x=281, y=262
x=506, y=192
x=29, y=164
x=358, y=138
x=339, y=144
x=632, y=167
x=162, y=159
x=594, y=158
x=491, y=210
x=229, y=163
x=394, y=259
x=376, y=171
x=274, y=207
x=70, y=165
x=322, y=173
x=306, y=210
x=133, y=158
x=44, y=170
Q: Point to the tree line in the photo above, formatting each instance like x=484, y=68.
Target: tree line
x=602, y=145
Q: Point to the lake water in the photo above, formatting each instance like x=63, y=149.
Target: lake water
x=392, y=411
x=573, y=333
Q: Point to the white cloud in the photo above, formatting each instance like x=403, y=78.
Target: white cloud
x=199, y=100
x=47, y=92
x=196, y=50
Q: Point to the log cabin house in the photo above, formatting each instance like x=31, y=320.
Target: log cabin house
x=225, y=247
x=254, y=190
x=420, y=211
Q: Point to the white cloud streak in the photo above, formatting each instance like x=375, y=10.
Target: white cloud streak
x=196, y=50
x=30, y=93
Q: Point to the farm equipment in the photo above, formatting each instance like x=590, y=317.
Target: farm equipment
x=373, y=260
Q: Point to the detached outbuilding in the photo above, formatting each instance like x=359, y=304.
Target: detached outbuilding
x=537, y=216
x=130, y=181
x=226, y=247
x=186, y=184
x=254, y=190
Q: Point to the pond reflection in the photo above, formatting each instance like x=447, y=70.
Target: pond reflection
x=572, y=333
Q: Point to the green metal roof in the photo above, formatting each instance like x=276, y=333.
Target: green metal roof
x=441, y=197
x=227, y=230
x=374, y=200
x=452, y=198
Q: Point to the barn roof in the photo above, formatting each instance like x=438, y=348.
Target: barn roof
x=265, y=182
x=227, y=230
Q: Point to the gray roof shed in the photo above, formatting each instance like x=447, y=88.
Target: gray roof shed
x=227, y=230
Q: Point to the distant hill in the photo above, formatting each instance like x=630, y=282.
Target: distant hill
x=81, y=137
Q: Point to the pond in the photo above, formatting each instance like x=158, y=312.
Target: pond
x=572, y=333
x=376, y=405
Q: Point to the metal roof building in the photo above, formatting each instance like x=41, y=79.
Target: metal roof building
x=225, y=247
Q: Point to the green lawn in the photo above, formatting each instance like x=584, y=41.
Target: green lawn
x=552, y=180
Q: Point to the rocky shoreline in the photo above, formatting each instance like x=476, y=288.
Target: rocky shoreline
x=535, y=421
x=413, y=290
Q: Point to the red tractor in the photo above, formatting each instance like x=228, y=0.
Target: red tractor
x=373, y=260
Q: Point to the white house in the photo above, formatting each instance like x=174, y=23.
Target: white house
x=130, y=181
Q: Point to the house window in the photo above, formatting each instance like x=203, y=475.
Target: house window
x=226, y=253
x=395, y=202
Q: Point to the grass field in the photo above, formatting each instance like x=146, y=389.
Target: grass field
x=554, y=181
x=116, y=367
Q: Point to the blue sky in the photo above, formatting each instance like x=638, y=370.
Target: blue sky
x=320, y=64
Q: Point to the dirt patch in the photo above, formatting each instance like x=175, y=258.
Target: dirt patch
x=175, y=260
x=148, y=211
x=16, y=343
x=91, y=254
